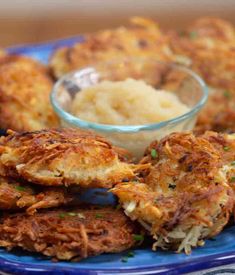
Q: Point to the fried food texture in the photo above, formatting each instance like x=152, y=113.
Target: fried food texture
x=207, y=46
x=218, y=114
x=63, y=157
x=69, y=234
x=15, y=195
x=141, y=39
x=225, y=144
x=25, y=87
x=186, y=197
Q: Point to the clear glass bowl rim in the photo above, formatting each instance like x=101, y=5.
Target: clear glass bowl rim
x=69, y=118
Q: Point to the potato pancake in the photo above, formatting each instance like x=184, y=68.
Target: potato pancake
x=71, y=234
x=142, y=39
x=186, y=196
x=66, y=156
x=25, y=87
x=16, y=195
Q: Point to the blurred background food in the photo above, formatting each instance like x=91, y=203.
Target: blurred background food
x=30, y=21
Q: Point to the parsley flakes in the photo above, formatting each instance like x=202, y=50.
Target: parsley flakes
x=232, y=179
x=227, y=94
x=20, y=188
x=138, y=237
x=130, y=254
x=154, y=153
x=98, y=216
x=62, y=215
x=124, y=259
x=193, y=35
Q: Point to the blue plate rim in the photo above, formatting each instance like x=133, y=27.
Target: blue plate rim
x=21, y=48
x=191, y=265
x=201, y=263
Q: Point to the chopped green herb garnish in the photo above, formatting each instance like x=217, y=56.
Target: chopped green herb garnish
x=154, y=153
x=62, y=215
x=130, y=254
x=124, y=259
x=181, y=33
x=20, y=188
x=226, y=148
x=227, y=94
x=233, y=163
x=193, y=35
x=138, y=237
x=98, y=216
x=232, y=179
x=72, y=214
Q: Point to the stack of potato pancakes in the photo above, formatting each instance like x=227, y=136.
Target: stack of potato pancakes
x=38, y=170
x=180, y=193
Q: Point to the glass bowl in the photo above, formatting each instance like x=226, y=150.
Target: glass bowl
x=187, y=85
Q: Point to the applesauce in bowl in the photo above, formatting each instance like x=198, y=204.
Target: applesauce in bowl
x=131, y=102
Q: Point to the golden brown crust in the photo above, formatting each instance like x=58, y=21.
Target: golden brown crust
x=28, y=62
x=186, y=192
x=225, y=144
x=24, y=102
x=208, y=44
x=69, y=234
x=213, y=27
x=15, y=195
x=63, y=157
x=142, y=39
x=218, y=114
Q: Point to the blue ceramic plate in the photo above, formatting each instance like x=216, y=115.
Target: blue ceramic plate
x=218, y=251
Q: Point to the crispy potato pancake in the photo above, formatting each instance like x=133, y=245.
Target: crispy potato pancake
x=225, y=144
x=213, y=28
x=186, y=196
x=16, y=195
x=24, y=95
x=142, y=38
x=63, y=157
x=69, y=234
x=218, y=114
x=208, y=47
